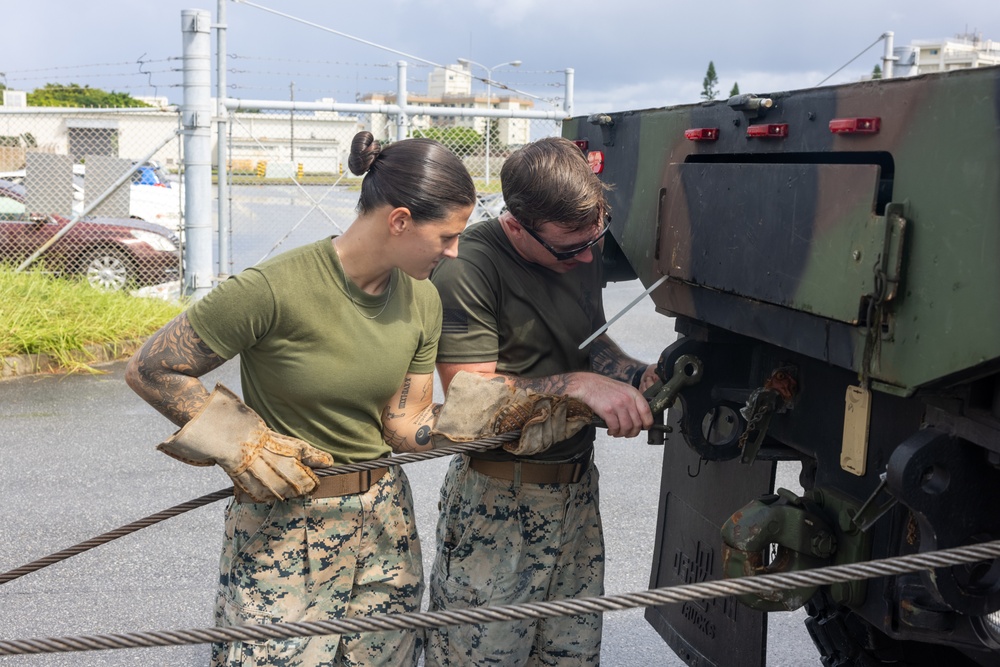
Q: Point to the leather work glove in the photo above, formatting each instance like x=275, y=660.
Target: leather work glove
x=263, y=464
x=477, y=407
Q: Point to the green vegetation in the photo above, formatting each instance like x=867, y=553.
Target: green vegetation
x=709, y=91
x=708, y=84
x=62, y=318
x=461, y=140
x=75, y=95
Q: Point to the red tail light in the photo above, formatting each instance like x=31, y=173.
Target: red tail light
x=582, y=144
x=702, y=133
x=770, y=130
x=856, y=125
x=596, y=160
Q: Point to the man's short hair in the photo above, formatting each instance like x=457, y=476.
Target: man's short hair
x=550, y=180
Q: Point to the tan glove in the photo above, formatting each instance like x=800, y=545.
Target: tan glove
x=263, y=464
x=478, y=407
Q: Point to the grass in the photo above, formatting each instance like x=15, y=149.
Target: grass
x=62, y=318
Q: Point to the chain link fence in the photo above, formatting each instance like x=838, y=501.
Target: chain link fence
x=289, y=183
x=287, y=176
x=60, y=211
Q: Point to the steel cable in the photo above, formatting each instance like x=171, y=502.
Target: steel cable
x=104, y=538
x=571, y=607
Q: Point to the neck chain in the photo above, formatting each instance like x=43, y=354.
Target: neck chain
x=388, y=295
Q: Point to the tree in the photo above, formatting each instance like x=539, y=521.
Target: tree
x=461, y=140
x=877, y=72
x=75, y=95
x=708, y=84
x=736, y=90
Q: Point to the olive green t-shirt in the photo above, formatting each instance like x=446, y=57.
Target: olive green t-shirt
x=529, y=319
x=310, y=363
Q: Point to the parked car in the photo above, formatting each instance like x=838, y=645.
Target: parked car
x=110, y=253
x=152, y=197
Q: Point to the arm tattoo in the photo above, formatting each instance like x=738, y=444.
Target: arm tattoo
x=396, y=440
x=404, y=393
x=607, y=359
x=164, y=371
x=419, y=424
x=551, y=384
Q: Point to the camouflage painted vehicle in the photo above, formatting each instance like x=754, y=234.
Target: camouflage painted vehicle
x=831, y=256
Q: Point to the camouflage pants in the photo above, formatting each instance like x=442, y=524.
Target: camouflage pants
x=324, y=559
x=501, y=543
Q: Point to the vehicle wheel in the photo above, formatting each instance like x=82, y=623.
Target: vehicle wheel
x=844, y=639
x=107, y=268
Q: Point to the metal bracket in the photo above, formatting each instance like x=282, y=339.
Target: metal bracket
x=196, y=119
x=892, y=249
x=607, y=125
x=751, y=105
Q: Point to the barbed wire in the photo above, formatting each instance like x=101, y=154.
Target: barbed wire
x=105, y=75
x=308, y=75
x=68, y=67
x=236, y=56
x=759, y=584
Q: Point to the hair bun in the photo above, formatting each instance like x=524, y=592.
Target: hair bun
x=364, y=150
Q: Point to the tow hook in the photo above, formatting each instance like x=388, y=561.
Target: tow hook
x=776, y=533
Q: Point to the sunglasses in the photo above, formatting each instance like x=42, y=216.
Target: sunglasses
x=563, y=255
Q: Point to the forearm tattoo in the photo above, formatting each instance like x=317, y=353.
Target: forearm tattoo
x=556, y=385
x=404, y=393
x=420, y=425
x=607, y=359
x=166, y=369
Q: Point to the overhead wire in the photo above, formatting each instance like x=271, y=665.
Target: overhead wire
x=867, y=48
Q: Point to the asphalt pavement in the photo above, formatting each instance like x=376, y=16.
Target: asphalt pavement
x=78, y=458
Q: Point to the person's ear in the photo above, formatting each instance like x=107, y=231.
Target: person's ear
x=399, y=220
x=513, y=226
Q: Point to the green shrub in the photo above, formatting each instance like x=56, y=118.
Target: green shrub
x=62, y=318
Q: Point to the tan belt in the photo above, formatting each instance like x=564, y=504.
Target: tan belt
x=532, y=473
x=337, y=485
x=349, y=484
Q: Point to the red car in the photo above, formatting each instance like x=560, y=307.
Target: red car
x=111, y=253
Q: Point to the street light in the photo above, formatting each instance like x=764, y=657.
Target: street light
x=489, y=100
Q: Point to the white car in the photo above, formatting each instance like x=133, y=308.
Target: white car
x=151, y=197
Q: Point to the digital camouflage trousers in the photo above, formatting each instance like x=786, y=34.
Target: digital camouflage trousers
x=323, y=559
x=499, y=543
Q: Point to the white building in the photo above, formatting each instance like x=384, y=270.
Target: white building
x=942, y=55
x=320, y=141
x=452, y=87
x=452, y=80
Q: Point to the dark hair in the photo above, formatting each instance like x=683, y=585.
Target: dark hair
x=550, y=180
x=419, y=174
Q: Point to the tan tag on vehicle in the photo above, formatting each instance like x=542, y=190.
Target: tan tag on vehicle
x=857, y=412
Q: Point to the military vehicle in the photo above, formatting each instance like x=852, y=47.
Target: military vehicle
x=831, y=261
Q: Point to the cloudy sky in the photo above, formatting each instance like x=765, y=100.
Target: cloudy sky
x=625, y=53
